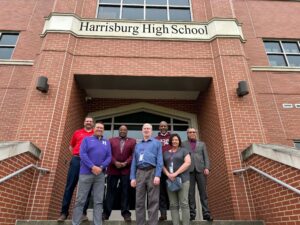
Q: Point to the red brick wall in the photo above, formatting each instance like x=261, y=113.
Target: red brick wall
x=274, y=204
x=14, y=193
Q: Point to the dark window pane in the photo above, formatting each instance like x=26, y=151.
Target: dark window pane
x=180, y=14
x=290, y=47
x=153, y=13
x=110, y=1
x=141, y=117
x=109, y=12
x=277, y=60
x=297, y=145
x=179, y=2
x=156, y=2
x=5, y=52
x=179, y=121
x=8, y=39
x=272, y=46
x=140, y=2
x=108, y=120
x=180, y=128
x=133, y=13
x=294, y=60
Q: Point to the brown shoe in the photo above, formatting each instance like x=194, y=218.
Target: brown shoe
x=163, y=217
x=62, y=218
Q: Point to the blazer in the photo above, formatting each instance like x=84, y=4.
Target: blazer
x=125, y=156
x=199, y=157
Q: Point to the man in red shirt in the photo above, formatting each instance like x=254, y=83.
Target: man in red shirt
x=122, y=148
x=163, y=136
x=73, y=173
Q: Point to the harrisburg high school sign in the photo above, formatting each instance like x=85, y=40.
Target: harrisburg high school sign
x=70, y=23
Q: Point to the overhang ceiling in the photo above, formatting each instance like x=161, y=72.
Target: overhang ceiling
x=141, y=87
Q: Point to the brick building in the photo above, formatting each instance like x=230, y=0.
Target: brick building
x=133, y=61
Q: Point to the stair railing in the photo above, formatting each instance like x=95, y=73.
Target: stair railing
x=18, y=172
x=240, y=171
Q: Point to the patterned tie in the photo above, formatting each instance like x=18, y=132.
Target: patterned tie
x=122, y=143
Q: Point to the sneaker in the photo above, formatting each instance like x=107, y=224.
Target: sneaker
x=163, y=217
x=62, y=218
x=84, y=218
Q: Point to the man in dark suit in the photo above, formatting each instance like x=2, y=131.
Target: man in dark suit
x=122, y=148
x=199, y=170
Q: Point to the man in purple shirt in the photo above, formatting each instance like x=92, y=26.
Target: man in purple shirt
x=95, y=154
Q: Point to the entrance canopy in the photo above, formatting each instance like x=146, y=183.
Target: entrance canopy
x=142, y=87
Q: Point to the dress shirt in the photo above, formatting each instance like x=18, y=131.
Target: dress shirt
x=151, y=150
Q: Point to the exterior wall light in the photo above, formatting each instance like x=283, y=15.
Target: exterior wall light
x=242, y=89
x=42, y=84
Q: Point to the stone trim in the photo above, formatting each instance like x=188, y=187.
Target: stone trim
x=275, y=68
x=282, y=154
x=16, y=62
x=13, y=148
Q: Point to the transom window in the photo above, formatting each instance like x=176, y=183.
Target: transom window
x=134, y=122
x=7, y=44
x=283, y=53
x=161, y=10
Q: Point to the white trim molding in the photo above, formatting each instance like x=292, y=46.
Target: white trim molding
x=12, y=148
x=16, y=62
x=187, y=31
x=275, y=68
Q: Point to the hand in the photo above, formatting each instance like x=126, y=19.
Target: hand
x=124, y=164
x=96, y=170
x=156, y=181
x=118, y=164
x=206, y=172
x=133, y=183
x=171, y=176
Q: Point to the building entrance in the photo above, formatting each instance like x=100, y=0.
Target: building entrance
x=134, y=116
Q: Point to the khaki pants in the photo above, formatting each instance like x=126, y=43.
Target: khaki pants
x=144, y=179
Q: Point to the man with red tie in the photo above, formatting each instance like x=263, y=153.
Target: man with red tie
x=122, y=148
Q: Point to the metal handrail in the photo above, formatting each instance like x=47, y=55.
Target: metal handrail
x=236, y=172
x=42, y=170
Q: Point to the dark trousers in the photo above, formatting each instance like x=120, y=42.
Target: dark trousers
x=72, y=180
x=200, y=179
x=145, y=186
x=163, y=195
x=112, y=185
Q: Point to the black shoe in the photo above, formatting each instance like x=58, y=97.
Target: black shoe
x=208, y=218
x=192, y=218
x=163, y=217
x=104, y=217
x=127, y=218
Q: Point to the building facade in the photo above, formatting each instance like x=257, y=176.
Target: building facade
x=133, y=61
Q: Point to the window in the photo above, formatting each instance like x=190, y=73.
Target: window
x=283, y=53
x=161, y=10
x=7, y=44
x=297, y=144
x=134, y=122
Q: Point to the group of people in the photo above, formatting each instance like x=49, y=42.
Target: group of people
x=148, y=166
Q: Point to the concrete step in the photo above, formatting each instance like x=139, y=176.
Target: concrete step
x=68, y=222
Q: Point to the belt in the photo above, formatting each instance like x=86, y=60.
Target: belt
x=146, y=168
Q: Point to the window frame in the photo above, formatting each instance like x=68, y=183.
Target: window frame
x=9, y=46
x=144, y=6
x=283, y=52
x=296, y=143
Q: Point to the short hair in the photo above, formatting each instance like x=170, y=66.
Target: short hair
x=147, y=124
x=171, y=138
x=89, y=117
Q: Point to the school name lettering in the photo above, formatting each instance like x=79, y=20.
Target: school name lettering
x=145, y=28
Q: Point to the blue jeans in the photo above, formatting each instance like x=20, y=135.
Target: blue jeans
x=86, y=182
x=72, y=180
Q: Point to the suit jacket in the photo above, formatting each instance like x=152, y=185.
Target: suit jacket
x=199, y=157
x=125, y=156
